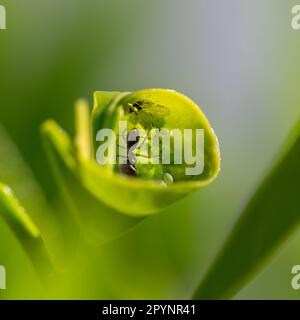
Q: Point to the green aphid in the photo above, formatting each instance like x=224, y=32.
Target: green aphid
x=148, y=114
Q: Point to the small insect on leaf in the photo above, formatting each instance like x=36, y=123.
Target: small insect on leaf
x=148, y=114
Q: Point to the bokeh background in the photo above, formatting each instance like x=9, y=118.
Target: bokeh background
x=239, y=60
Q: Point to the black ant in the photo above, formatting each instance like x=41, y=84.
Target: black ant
x=128, y=166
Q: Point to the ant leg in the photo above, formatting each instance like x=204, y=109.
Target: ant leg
x=133, y=168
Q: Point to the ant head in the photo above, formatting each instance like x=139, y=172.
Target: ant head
x=133, y=108
x=138, y=105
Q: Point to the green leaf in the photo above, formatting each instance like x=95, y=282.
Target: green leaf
x=83, y=138
x=142, y=197
x=61, y=156
x=26, y=231
x=17, y=174
x=269, y=218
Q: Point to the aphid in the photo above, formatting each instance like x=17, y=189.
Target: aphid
x=148, y=114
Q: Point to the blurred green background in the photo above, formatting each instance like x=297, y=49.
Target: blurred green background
x=237, y=59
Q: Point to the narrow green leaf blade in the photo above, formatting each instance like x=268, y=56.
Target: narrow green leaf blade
x=270, y=216
x=15, y=172
x=26, y=231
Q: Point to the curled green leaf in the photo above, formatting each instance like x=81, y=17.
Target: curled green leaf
x=152, y=108
x=155, y=186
